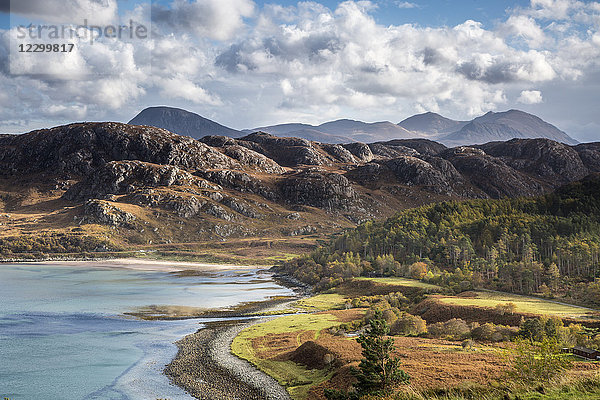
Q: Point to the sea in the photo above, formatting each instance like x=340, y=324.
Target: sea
x=64, y=332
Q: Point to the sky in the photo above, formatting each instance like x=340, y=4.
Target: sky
x=247, y=63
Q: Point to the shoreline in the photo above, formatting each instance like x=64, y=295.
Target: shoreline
x=140, y=264
x=206, y=369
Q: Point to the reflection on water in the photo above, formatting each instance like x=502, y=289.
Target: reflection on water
x=63, y=334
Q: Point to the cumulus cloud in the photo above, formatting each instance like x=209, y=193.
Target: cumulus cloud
x=530, y=97
x=64, y=11
x=215, y=19
x=311, y=62
x=179, y=87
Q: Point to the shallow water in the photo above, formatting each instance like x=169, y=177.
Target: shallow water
x=63, y=334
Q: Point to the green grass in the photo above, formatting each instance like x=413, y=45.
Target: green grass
x=402, y=282
x=321, y=302
x=524, y=304
x=296, y=378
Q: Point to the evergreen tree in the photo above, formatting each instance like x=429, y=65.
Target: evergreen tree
x=378, y=370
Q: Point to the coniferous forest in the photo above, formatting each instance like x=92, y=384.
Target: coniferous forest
x=548, y=245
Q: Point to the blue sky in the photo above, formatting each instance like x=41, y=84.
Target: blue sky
x=247, y=63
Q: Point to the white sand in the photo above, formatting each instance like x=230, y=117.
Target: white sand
x=148, y=265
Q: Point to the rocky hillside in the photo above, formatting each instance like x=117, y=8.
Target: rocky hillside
x=139, y=185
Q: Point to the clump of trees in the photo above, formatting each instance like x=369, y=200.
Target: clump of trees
x=548, y=245
x=534, y=361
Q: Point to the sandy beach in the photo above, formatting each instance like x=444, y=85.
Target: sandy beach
x=147, y=265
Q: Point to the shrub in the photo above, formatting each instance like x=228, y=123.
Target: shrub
x=408, y=325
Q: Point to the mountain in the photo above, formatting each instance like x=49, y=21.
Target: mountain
x=181, y=122
x=505, y=126
x=340, y=131
x=431, y=124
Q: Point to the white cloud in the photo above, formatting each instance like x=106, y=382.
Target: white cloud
x=215, y=19
x=406, y=4
x=309, y=62
x=179, y=87
x=101, y=12
x=525, y=28
x=530, y=97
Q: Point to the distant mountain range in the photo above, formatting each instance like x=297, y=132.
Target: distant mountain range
x=490, y=127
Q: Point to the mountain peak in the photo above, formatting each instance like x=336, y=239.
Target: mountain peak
x=431, y=123
x=506, y=125
x=182, y=122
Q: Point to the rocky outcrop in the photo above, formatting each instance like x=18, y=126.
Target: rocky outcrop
x=102, y=212
x=555, y=162
x=120, y=177
x=252, y=159
x=184, y=205
x=318, y=188
x=491, y=175
x=422, y=146
x=239, y=181
x=81, y=148
x=359, y=150
x=246, y=156
x=288, y=152
x=391, y=151
x=590, y=155
x=339, y=153
x=414, y=171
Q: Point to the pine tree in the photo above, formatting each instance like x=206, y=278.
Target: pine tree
x=378, y=370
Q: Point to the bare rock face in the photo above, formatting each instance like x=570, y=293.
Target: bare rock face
x=247, y=157
x=81, y=148
x=491, y=175
x=360, y=150
x=252, y=159
x=371, y=174
x=316, y=188
x=422, y=146
x=339, y=153
x=556, y=162
x=102, y=212
x=120, y=177
x=184, y=205
x=590, y=155
x=289, y=152
x=391, y=151
x=414, y=171
x=239, y=181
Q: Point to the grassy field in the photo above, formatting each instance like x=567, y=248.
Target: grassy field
x=296, y=378
x=524, y=304
x=321, y=302
x=402, y=282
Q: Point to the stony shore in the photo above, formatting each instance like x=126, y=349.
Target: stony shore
x=206, y=369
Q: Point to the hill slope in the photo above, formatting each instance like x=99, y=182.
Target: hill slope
x=145, y=186
x=181, y=122
x=340, y=131
x=524, y=245
x=505, y=126
x=432, y=124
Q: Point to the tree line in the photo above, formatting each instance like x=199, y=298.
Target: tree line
x=548, y=245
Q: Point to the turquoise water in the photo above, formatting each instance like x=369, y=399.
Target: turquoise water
x=63, y=334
